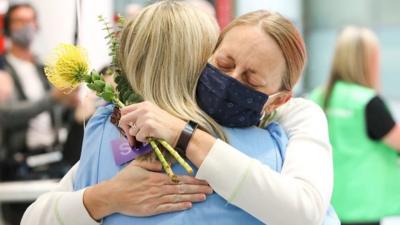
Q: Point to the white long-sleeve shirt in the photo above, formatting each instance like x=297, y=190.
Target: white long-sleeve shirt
x=300, y=194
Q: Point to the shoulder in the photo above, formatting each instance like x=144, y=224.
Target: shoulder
x=278, y=135
x=96, y=127
x=376, y=105
x=303, y=116
x=101, y=115
x=276, y=130
x=300, y=109
x=356, y=93
x=96, y=145
x=376, y=101
x=379, y=118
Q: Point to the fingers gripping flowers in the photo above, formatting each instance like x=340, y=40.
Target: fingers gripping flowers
x=69, y=67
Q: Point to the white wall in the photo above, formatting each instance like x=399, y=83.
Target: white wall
x=91, y=33
x=57, y=19
x=57, y=24
x=289, y=8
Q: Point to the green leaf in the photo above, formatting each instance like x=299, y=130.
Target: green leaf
x=126, y=95
x=92, y=86
x=109, y=35
x=87, y=78
x=95, y=76
x=108, y=96
x=108, y=88
x=134, y=98
x=100, y=84
x=117, y=79
x=126, y=86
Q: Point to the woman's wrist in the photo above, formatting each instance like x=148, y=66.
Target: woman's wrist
x=96, y=200
x=177, y=130
x=185, y=136
x=199, y=146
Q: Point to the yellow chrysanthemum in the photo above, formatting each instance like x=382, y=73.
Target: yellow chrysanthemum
x=67, y=67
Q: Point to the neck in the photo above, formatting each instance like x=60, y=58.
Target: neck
x=21, y=53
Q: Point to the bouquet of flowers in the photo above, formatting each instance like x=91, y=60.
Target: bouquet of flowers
x=68, y=68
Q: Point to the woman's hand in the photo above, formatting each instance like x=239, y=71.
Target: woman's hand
x=135, y=191
x=145, y=119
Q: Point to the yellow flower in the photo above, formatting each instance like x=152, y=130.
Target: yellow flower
x=67, y=67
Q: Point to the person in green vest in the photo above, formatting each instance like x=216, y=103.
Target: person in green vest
x=363, y=133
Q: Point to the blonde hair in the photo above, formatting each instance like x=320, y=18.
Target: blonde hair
x=354, y=49
x=284, y=34
x=163, y=51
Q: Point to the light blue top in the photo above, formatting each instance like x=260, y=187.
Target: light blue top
x=97, y=164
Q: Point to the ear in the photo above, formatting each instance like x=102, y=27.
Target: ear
x=277, y=101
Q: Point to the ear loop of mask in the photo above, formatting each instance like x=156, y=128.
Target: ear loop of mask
x=267, y=118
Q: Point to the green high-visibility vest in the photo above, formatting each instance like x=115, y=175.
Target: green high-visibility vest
x=367, y=173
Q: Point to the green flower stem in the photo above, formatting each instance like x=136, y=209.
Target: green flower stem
x=176, y=155
x=163, y=161
x=118, y=102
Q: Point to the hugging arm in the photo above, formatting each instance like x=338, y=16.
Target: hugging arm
x=135, y=190
x=300, y=194
x=62, y=205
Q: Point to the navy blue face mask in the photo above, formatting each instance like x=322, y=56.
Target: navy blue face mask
x=228, y=101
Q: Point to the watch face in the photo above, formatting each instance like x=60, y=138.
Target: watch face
x=185, y=137
x=193, y=124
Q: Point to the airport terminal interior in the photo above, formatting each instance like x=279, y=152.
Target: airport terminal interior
x=42, y=128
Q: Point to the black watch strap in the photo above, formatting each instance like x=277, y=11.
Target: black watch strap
x=185, y=137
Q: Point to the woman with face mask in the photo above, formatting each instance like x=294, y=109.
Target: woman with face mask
x=248, y=174
x=257, y=61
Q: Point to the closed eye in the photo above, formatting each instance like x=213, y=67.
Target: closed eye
x=249, y=77
x=225, y=66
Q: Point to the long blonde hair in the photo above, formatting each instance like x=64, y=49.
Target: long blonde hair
x=163, y=51
x=351, y=61
x=284, y=34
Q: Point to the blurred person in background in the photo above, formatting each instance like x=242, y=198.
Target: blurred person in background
x=363, y=133
x=34, y=117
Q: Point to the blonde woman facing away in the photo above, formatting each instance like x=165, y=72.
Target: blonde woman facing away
x=165, y=58
x=364, y=135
